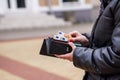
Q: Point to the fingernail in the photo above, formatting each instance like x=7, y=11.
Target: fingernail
x=70, y=40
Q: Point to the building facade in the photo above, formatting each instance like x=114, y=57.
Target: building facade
x=25, y=18
x=7, y=6
x=58, y=7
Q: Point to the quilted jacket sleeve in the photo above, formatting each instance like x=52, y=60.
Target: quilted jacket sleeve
x=104, y=60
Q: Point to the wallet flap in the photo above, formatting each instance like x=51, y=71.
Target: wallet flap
x=58, y=47
x=43, y=49
x=51, y=46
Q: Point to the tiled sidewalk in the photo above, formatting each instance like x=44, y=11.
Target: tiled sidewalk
x=20, y=60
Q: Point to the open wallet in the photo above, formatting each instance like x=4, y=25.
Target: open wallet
x=51, y=46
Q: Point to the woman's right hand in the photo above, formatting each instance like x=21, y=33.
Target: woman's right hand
x=77, y=37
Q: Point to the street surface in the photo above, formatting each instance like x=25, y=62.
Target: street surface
x=20, y=59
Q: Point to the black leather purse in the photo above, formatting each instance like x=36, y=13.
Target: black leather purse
x=51, y=46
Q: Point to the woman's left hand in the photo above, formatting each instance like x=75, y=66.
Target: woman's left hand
x=68, y=56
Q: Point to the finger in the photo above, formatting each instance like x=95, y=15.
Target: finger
x=65, y=56
x=73, y=34
x=59, y=56
x=74, y=39
x=71, y=43
x=56, y=55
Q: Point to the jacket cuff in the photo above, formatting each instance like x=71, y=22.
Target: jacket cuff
x=76, y=59
x=82, y=58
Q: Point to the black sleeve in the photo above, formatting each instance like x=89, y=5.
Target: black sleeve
x=104, y=60
x=87, y=35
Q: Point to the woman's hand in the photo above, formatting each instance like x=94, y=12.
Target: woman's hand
x=68, y=56
x=77, y=37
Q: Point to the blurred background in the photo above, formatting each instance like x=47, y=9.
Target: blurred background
x=23, y=26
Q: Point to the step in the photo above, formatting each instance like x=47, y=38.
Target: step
x=21, y=21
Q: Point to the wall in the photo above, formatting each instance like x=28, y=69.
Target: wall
x=95, y=2
x=44, y=2
x=87, y=1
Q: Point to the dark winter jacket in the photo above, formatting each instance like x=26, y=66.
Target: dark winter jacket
x=101, y=60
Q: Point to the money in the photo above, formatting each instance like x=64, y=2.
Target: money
x=62, y=36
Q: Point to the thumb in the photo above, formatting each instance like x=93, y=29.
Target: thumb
x=72, y=45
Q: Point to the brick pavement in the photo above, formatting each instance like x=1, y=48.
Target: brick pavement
x=26, y=71
x=20, y=60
